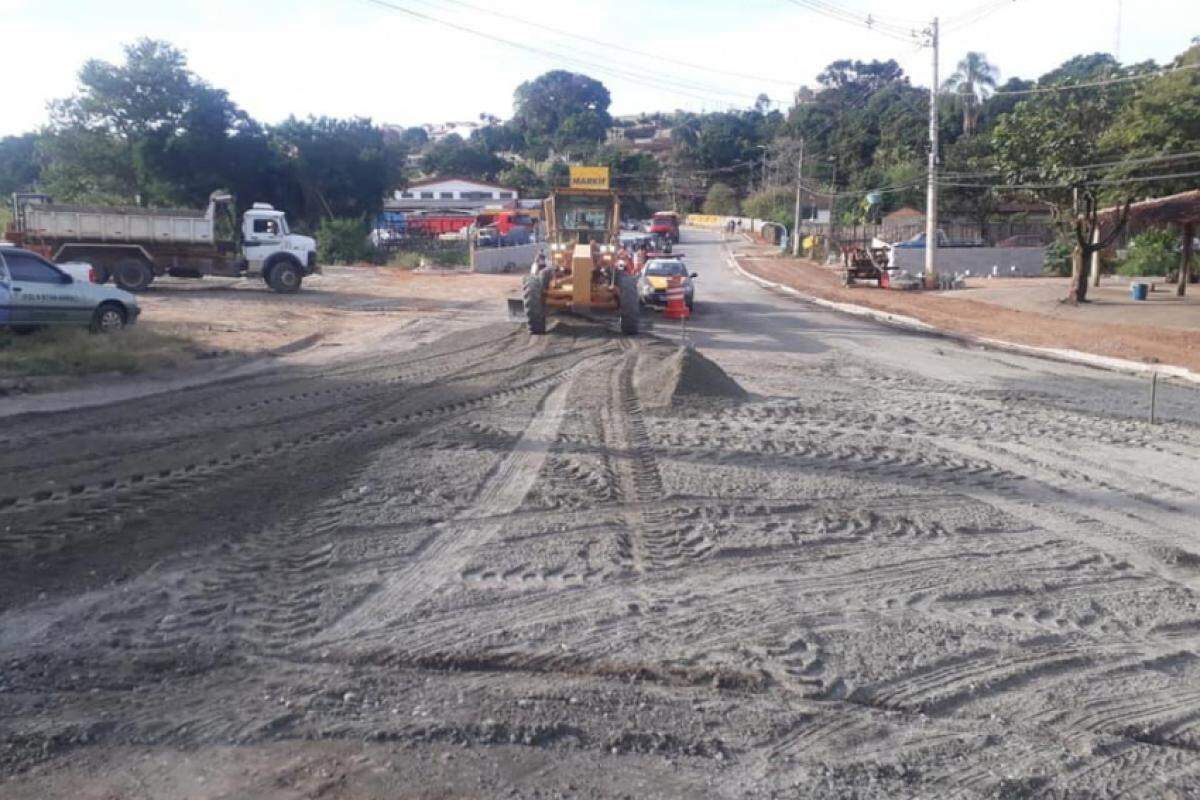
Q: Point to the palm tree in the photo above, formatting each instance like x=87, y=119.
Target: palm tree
x=973, y=82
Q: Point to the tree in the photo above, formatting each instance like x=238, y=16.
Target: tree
x=1090, y=240
x=104, y=138
x=636, y=176
x=1164, y=118
x=413, y=139
x=524, y=180
x=217, y=145
x=970, y=156
x=496, y=138
x=1051, y=139
x=19, y=165
x=561, y=111
x=775, y=205
x=148, y=130
x=454, y=156
x=721, y=200
x=336, y=168
x=972, y=83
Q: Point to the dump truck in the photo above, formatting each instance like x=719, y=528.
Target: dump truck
x=133, y=246
x=666, y=225
x=580, y=272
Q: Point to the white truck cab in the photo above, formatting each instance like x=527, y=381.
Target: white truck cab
x=282, y=258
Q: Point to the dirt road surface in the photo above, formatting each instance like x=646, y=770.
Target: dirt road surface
x=814, y=557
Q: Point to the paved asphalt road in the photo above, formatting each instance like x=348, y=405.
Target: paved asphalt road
x=735, y=315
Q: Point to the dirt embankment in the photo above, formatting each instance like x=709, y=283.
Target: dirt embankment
x=958, y=313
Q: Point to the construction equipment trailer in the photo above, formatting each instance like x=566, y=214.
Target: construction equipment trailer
x=133, y=246
x=580, y=272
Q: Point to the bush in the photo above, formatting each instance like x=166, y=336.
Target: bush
x=1150, y=253
x=721, y=200
x=344, y=241
x=1058, y=259
x=773, y=205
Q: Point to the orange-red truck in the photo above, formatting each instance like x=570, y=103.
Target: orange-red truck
x=666, y=224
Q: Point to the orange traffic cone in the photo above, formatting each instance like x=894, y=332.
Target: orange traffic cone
x=676, y=307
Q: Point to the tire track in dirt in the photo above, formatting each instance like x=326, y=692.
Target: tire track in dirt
x=283, y=412
x=450, y=549
x=97, y=503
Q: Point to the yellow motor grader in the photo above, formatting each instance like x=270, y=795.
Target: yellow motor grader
x=580, y=270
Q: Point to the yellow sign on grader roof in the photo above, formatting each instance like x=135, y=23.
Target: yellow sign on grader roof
x=589, y=177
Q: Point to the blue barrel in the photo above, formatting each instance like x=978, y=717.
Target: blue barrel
x=1140, y=291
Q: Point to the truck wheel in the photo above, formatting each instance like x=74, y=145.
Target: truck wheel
x=133, y=276
x=107, y=318
x=534, y=296
x=285, y=278
x=630, y=307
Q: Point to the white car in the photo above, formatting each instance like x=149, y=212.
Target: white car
x=35, y=293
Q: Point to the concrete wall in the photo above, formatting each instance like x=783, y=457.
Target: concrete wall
x=504, y=259
x=1006, y=262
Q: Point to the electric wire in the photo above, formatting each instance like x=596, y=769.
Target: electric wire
x=622, y=48
x=690, y=90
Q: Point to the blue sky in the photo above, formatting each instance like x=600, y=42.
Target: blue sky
x=351, y=57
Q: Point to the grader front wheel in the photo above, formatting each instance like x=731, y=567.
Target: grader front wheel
x=535, y=300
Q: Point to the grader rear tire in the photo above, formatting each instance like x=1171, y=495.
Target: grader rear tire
x=534, y=297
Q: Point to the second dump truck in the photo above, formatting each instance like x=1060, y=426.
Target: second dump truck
x=133, y=246
x=580, y=272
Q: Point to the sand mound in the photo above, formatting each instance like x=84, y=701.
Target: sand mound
x=665, y=375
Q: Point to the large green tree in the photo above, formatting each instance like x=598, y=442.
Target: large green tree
x=454, y=156
x=19, y=164
x=1163, y=119
x=148, y=130
x=336, y=167
x=561, y=111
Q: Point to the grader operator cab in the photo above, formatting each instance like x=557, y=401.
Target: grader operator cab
x=580, y=271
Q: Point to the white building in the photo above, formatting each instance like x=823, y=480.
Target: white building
x=451, y=193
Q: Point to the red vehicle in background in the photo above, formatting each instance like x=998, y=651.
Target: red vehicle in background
x=505, y=221
x=666, y=225
x=434, y=225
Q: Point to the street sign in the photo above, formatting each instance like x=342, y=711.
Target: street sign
x=589, y=177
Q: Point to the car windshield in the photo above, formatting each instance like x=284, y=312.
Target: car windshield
x=666, y=269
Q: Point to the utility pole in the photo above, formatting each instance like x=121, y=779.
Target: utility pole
x=931, y=198
x=796, y=220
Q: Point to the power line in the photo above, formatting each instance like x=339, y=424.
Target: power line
x=662, y=83
x=870, y=22
x=1094, y=182
x=622, y=48
x=1103, y=165
x=1093, y=84
x=977, y=14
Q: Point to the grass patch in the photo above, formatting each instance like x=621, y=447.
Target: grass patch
x=406, y=260
x=74, y=351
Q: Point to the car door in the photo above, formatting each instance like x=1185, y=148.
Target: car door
x=263, y=237
x=5, y=293
x=43, y=294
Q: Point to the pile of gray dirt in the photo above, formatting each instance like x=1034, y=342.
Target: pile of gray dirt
x=665, y=375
